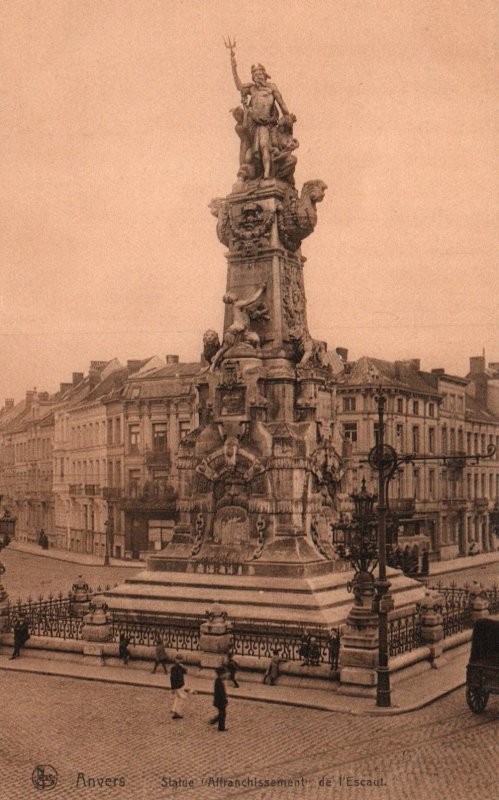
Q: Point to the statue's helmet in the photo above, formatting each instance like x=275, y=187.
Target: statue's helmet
x=259, y=68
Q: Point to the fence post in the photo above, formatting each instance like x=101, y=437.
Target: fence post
x=215, y=637
x=479, y=603
x=80, y=597
x=432, y=628
x=96, y=631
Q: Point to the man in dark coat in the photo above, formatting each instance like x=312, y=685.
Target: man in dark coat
x=220, y=699
x=160, y=656
x=21, y=636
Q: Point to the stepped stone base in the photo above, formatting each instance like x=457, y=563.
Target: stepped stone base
x=299, y=600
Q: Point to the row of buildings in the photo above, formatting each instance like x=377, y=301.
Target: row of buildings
x=94, y=464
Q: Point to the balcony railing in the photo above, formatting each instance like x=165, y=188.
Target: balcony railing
x=481, y=503
x=152, y=494
x=92, y=489
x=75, y=489
x=403, y=505
x=111, y=493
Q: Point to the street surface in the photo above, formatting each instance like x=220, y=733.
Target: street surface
x=487, y=575
x=28, y=574
x=89, y=731
x=31, y=574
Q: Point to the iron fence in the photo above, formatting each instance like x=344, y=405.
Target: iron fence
x=404, y=634
x=174, y=632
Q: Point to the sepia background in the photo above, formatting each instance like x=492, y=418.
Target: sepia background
x=116, y=133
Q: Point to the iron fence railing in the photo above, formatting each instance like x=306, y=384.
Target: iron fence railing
x=58, y=616
x=404, y=634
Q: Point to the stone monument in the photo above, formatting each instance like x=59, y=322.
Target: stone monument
x=260, y=478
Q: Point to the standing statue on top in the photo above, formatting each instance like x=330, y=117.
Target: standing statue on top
x=267, y=141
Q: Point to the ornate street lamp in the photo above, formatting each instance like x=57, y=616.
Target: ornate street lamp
x=385, y=460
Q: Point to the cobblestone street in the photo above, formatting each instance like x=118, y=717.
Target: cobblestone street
x=89, y=731
x=28, y=574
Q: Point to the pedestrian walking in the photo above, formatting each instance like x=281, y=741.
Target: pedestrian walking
x=231, y=666
x=160, y=655
x=177, y=682
x=220, y=699
x=123, y=651
x=333, y=646
x=21, y=635
x=274, y=668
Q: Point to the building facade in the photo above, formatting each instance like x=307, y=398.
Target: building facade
x=94, y=465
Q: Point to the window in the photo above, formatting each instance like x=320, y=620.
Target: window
x=431, y=409
x=159, y=437
x=110, y=431
x=415, y=407
x=431, y=484
x=184, y=428
x=400, y=406
x=415, y=438
x=117, y=430
x=399, y=430
x=133, y=482
x=417, y=483
x=117, y=474
x=431, y=440
x=452, y=440
x=460, y=440
x=468, y=486
x=444, y=440
x=350, y=431
x=134, y=437
x=349, y=404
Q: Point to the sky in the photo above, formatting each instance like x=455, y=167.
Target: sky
x=116, y=134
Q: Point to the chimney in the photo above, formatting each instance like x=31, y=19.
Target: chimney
x=438, y=371
x=343, y=353
x=97, y=366
x=65, y=387
x=30, y=394
x=477, y=365
x=94, y=372
x=43, y=396
x=171, y=359
x=9, y=403
x=133, y=364
x=77, y=378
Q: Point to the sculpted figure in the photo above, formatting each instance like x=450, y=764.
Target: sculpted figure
x=284, y=144
x=297, y=218
x=239, y=330
x=308, y=349
x=257, y=118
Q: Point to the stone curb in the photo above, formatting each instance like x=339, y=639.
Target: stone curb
x=202, y=686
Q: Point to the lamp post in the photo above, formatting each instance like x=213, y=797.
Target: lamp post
x=385, y=460
x=109, y=531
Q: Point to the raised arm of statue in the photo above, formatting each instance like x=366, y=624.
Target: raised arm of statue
x=231, y=45
x=237, y=79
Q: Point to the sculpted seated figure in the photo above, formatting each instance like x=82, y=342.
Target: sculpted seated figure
x=238, y=331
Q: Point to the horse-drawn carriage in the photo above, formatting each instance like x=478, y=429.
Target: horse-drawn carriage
x=482, y=672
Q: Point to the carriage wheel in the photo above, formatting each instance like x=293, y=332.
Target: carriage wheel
x=476, y=698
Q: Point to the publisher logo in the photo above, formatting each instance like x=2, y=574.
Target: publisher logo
x=44, y=777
